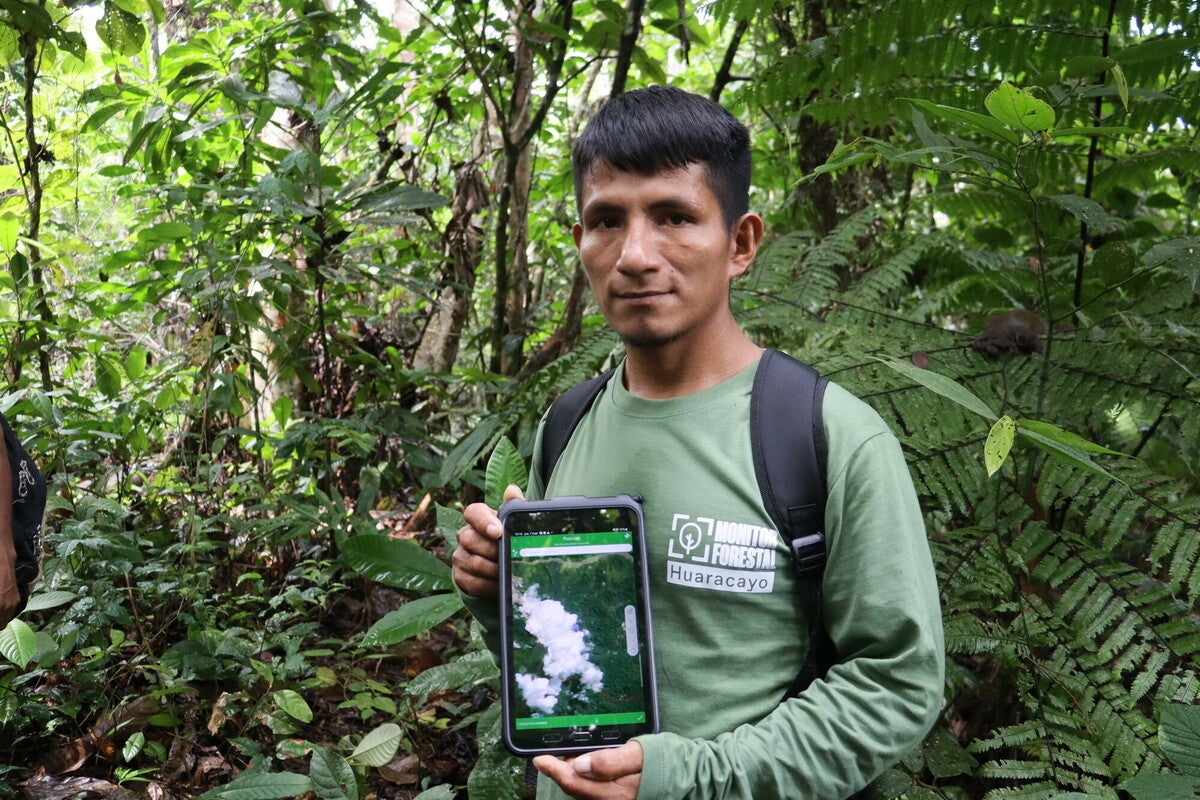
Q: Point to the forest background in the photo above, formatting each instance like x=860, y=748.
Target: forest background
x=285, y=280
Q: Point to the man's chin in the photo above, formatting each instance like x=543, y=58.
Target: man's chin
x=647, y=340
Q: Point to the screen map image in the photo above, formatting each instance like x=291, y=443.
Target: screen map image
x=574, y=632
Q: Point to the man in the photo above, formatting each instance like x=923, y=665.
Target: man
x=10, y=595
x=662, y=182
x=22, y=503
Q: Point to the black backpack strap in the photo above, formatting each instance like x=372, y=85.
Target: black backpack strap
x=787, y=439
x=28, y=508
x=563, y=418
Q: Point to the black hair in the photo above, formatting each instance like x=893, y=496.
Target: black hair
x=659, y=128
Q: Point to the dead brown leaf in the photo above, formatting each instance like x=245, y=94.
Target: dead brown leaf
x=68, y=757
x=402, y=770
x=43, y=786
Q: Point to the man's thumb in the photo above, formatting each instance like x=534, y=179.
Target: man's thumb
x=513, y=492
x=611, y=764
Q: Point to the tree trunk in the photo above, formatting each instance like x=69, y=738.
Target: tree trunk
x=463, y=242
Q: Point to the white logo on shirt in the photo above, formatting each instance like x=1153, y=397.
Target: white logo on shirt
x=725, y=556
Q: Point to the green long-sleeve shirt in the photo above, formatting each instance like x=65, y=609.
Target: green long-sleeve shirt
x=729, y=627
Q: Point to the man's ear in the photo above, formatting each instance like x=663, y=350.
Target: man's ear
x=577, y=233
x=747, y=235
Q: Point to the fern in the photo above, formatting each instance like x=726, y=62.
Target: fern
x=1078, y=585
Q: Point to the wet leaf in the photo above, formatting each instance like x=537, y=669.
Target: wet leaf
x=999, y=443
x=1018, y=108
x=412, y=618
x=398, y=563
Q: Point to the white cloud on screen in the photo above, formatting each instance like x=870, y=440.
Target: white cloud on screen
x=567, y=651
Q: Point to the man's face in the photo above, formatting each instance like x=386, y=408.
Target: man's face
x=658, y=253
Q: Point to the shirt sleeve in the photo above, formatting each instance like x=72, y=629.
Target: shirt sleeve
x=881, y=610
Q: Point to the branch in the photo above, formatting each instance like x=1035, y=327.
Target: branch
x=629, y=37
x=553, y=84
x=1093, y=156
x=563, y=339
x=725, y=74
x=35, y=153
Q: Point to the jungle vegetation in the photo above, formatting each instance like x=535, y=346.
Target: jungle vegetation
x=286, y=283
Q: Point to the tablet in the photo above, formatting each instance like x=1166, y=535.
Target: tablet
x=577, y=660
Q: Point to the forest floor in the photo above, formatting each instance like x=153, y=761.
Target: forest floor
x=206, y=733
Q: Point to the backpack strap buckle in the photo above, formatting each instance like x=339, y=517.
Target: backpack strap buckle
x=808, y=554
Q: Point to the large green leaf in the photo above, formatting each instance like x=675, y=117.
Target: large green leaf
x=10, y=225
x=18, y=642
x=497, y=775
x=332, y=776
x=121, y=31
x=292, y=704
x=29, y=17
x=469, y=448
x=449, y=522
x=1019, y=108
x=1063, y=452
x=10, y=45
x=891, y=784
x=1183, y=254
x=1084, y=209
x=474, y=667
x=504, y=467
x=1064, y=437
x=416, y=616
x=42, y=601
x=261, y=786
x=108, y=376
x=398, y=563
x=1179, y=735
x=945, y=757
x=379, y=746
x=397, y=197
x=1160, y=786
x=946, y=387
x=981, y=123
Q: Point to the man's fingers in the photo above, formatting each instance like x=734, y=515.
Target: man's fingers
x=549, y=765
x=563, y=773
x=475, y=560
x=608, y=774
x=476, y=564
x=608, y=765
x=483, y=519
x=476, y=570
x=612, y=764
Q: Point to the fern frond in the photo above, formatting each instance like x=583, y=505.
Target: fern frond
x=1140, y=171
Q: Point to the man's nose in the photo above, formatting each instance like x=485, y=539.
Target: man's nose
x=639, y=249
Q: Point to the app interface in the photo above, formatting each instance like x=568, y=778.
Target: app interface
x=575, y=625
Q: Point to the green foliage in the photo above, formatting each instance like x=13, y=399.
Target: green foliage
x=1067, y=574
x=231, y=237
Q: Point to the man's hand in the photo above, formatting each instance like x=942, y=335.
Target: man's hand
x=476, y=568
x=603, y=775
x=9, y=596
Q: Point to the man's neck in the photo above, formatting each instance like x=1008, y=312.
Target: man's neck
x=681, y=368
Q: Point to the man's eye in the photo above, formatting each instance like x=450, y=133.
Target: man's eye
x=677, y=218
x=605, y=223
